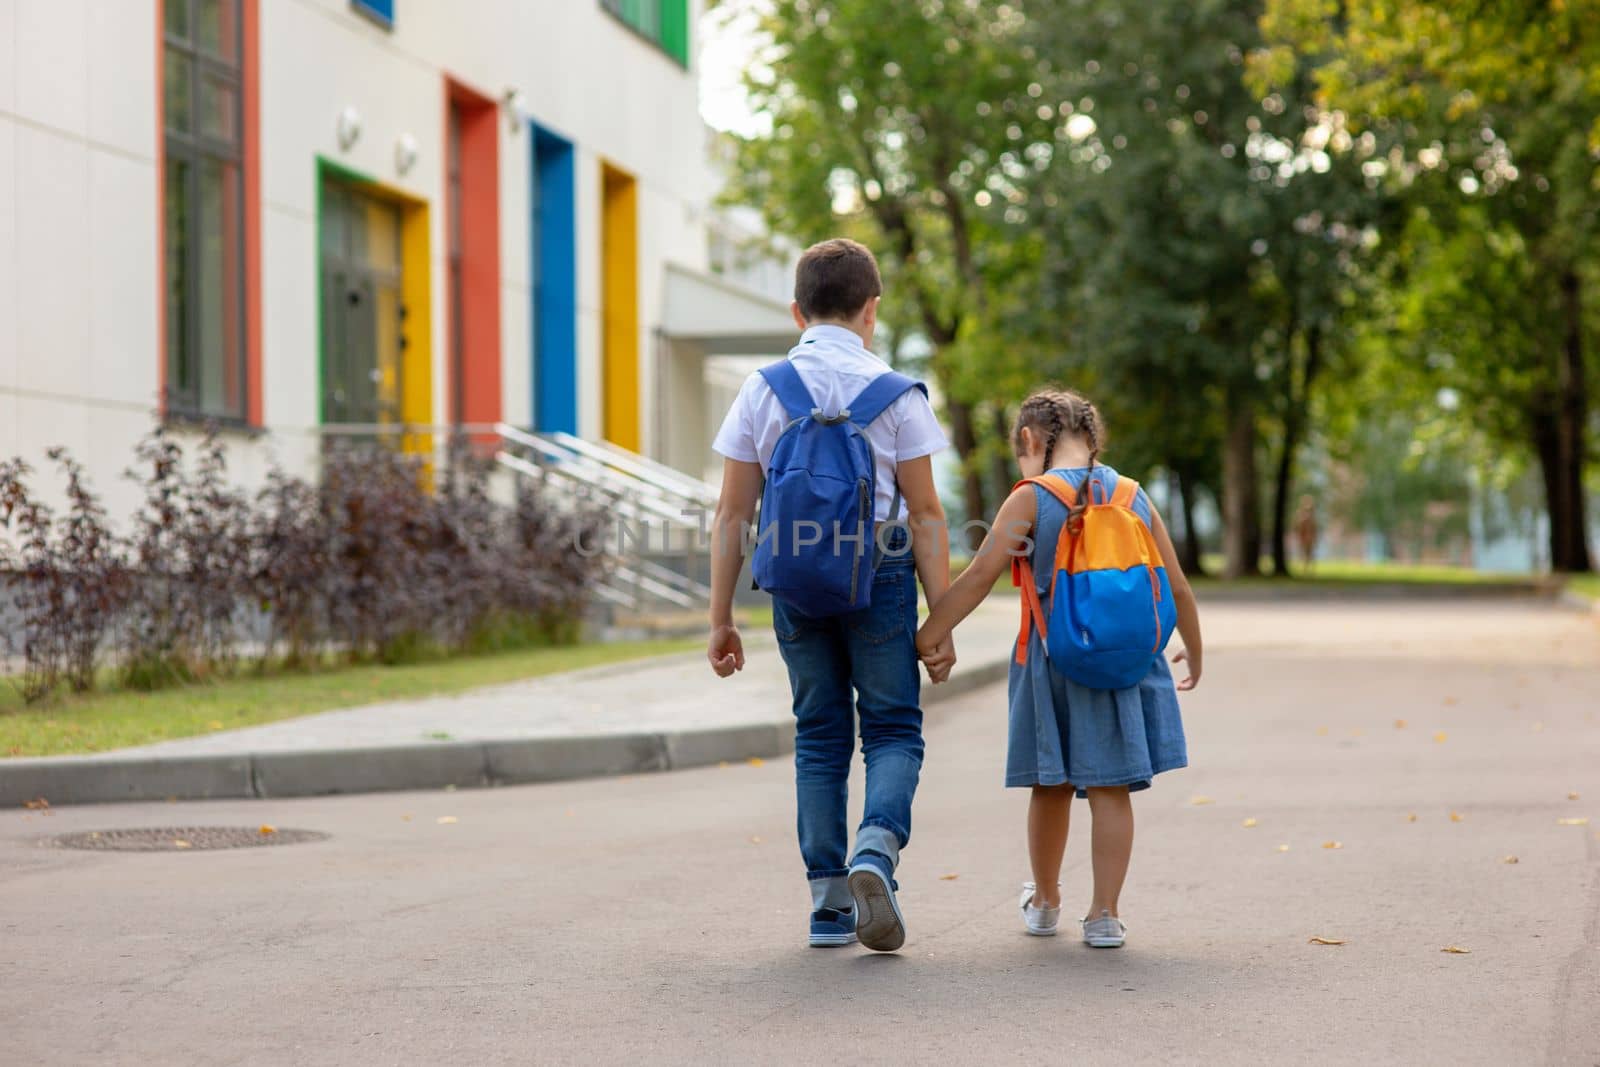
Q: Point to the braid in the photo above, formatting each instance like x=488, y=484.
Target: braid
x=1054, y=412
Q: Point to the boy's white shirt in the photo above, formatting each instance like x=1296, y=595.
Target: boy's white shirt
x=835, y=366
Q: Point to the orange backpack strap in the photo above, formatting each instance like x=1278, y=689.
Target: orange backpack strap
x=1126, y=492
x=1032, y=609
x=1055, y=485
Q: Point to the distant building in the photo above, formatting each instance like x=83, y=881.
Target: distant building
x=297, y=217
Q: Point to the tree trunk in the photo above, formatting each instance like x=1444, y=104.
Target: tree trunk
x=1568, y=506
x=1189, y=544
x=1296, y=411
x=1241, y=518
x=1000, y=471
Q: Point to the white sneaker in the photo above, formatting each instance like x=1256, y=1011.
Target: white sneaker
x=1041, y=922
x=1104, y=931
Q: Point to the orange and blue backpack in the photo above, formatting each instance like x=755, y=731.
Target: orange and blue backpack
x=1111, y=606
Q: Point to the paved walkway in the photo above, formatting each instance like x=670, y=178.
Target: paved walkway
x=655, y=714
x=677, y=693
x=659, y=918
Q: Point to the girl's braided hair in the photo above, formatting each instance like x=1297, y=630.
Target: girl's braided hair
x=1052, y=412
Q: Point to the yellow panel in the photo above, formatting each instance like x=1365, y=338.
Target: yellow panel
x=416, y=376
x=619, y=255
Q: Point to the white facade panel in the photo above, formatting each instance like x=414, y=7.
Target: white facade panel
x=52, y=63
x=120, y=52
x=120, y=291
x=52, y=256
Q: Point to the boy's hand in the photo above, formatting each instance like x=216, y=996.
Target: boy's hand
x=1194, y=670
x=725, y=650
x=938, y=656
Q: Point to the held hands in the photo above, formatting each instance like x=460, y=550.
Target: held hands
x=725, y=650
x=938, y=654
x=1194, y=670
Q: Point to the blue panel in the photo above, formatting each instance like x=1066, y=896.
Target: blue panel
x=379, y=11
x=555, y=284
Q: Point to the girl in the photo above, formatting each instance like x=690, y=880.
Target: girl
x=1066, y=740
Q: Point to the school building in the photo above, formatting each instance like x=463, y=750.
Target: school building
x=304, y=218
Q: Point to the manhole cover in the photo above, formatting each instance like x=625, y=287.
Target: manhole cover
x=184, y=838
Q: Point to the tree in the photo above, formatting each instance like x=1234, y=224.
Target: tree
x=1484, y=111
x=1213, y=231
x=908, y=126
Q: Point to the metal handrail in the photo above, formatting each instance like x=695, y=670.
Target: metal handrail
x=656, y=475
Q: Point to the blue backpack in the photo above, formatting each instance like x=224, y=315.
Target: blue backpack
x=816, y=546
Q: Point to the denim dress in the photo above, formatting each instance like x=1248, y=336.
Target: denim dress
x=1061, y=732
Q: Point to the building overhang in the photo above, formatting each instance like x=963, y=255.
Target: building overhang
x=722, y=318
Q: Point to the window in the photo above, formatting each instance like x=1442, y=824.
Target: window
x=664, y=22
x=204, y=221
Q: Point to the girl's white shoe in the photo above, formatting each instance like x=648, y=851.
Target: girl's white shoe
x=1104, y=931
x=1041, y=922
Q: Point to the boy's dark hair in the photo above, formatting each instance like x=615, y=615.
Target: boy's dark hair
x=835, y=279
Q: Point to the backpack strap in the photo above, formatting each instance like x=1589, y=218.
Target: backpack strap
x=1125, y=493
x=791, y=392
x=1022, y=569
x=1032, y=609
x=1055, y=485
x=882, y=391
x=873, y=401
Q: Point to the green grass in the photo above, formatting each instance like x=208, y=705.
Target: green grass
x=1345, y=573
x=97, y=722
x=1587, y=585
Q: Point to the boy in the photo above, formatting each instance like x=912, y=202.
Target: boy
x=865, y=660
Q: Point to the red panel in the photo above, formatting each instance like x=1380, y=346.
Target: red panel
x=479, y=327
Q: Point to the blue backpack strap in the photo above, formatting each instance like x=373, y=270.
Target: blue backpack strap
x=882, y=391
x=792, y=393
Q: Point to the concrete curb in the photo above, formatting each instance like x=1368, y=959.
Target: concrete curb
x=111, y=778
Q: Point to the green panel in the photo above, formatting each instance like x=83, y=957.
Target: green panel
x=675, y=29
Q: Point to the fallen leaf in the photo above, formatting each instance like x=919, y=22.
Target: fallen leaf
x=214, y=724
x=179, y=842
x=1572, y=796
x=1412, y=817
x=446, y=820
x=1283, y=848
x=1511, y=859
x=1200, y=801
x=451, y=788
x=405, y=818
x=37, y=804
x=1580, y=821
x=1538, y=727
x=1456, y=950
x=1333, y=844
x=265, y=829
x=755, y=840
x=1327, y=941
x=1357, y=732
x=571, y=813
x=722, y=765
x=1399, y=724
x=1456, y=816
x=1248, y=823
x=1322, y=731
x=1450, y=702
x=757, y=761
x=1440, y=737
x=948, y=877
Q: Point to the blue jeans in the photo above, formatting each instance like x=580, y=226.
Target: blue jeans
x=865, y=661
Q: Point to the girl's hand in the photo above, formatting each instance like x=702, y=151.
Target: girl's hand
x=1194, y=670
